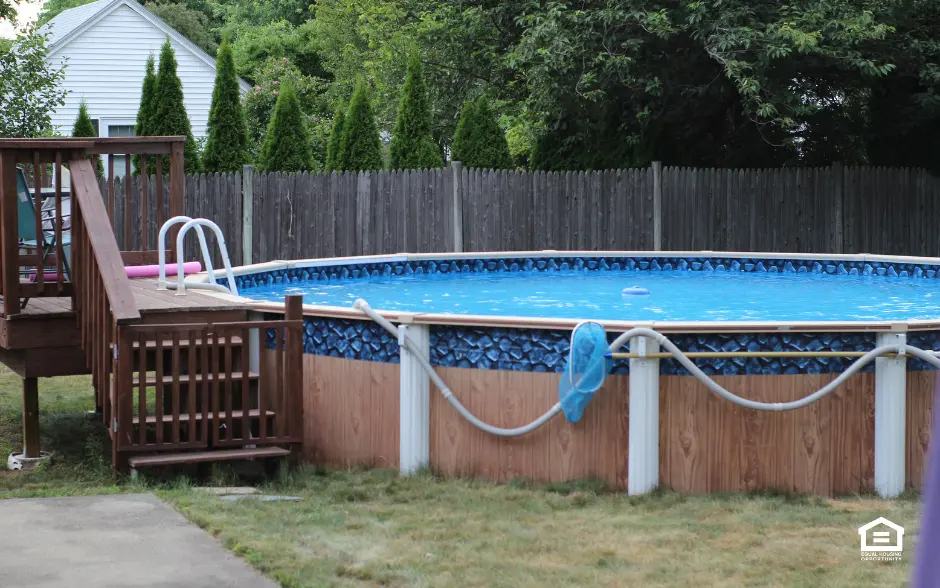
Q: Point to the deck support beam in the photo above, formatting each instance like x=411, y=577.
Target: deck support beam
x=890, y=418
x=415, y=402
x=31, y=417
x=643, y=435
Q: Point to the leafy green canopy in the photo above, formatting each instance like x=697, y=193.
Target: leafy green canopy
x=83, y=127
x=412, y=146
x=287, y=143
x=30, y=88
x=360, y=146
x=227, y=142
x=169, y=112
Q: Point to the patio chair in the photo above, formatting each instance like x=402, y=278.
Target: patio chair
x=26, y=227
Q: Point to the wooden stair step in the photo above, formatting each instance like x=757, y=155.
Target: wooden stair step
x=168, y=343
x=142, y=461
x=184, y=417
x=187, y=378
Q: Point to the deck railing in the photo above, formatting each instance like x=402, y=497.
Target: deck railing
x=192, y=386
x=28, y=269
x=155, y=155
x=102, y=297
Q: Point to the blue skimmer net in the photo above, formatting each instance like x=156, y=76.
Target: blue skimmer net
x=589, y=362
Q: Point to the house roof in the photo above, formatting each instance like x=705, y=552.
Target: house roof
x=71, y=23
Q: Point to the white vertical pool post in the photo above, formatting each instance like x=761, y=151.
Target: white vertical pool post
x=415, y=403
x=890, y=417
x=643, y=437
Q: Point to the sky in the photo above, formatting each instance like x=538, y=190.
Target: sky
x=26, y=13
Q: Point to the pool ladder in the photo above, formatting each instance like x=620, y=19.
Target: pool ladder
x=181, y=283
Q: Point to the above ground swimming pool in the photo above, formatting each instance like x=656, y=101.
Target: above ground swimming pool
x=498, y=328
x=632, y=295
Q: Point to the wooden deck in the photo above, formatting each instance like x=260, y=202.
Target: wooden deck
x=148, y=299
x=44, y=339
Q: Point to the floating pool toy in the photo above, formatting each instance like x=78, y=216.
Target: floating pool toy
x=635, y=291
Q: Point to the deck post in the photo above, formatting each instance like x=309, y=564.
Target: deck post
x=9, y=243
x=890, y=418
x=415, y=401
x=31, y=417
x=643, y=436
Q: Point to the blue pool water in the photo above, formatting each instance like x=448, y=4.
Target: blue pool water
x=674, y=295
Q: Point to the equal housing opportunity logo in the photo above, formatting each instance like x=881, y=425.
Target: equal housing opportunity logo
x=881, y=540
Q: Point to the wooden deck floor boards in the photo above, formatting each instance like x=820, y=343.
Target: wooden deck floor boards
x=148, y=299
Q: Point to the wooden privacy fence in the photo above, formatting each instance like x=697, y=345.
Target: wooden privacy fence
x=836, y=209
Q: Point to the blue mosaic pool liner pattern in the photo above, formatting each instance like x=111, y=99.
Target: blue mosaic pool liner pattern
x=546, y=264
x=540, y=350
x=543, y=350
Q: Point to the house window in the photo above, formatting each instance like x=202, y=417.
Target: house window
x=94, y=123
x=120, y=131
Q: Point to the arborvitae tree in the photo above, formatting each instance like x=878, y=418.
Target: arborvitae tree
x=83, y=127
x=413, y=146
x=495, y=147
x=333, y=143
x=478, y=140
x=169, y=111
x=360, y=148
x=463, y=146
x=145, y=110
x=287, y=143
x=227, y=142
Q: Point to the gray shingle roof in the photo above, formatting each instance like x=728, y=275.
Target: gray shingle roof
x=68, y=20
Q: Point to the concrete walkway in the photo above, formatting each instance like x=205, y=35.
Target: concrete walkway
x=112, y=541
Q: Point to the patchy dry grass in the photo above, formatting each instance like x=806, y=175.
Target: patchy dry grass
x=370, y=528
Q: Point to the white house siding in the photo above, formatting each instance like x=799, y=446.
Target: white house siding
x=106, y=67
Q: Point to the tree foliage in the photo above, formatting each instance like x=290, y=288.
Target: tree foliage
x=190, y=22
x=146, y=108
x=287, y=143
x=260, y=101
x=335, y=141
x=412, y=146
x=479, y=141
x=83, y=127
x=7, y=9
x=360, y=147
x=227, y=141
x=169, y=110
x=610, y=83
x=30, y=88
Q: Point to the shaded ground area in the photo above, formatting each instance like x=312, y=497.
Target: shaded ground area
x=371, y=528
x=112, y=541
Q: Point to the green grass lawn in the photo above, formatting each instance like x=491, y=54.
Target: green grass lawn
x=371, y=528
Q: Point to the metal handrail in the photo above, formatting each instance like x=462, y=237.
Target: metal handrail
x=212, y=285
x=161, y=249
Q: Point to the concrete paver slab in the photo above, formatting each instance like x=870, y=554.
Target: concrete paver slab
x=125, y=541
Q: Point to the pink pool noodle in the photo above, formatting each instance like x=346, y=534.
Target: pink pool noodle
x=141, y=271
x=150, y=271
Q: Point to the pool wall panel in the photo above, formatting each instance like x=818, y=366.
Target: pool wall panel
x=920, y=397
x=710, y=445
x=594, y=447
x=350, y=412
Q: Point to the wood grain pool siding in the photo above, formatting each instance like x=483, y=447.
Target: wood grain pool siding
x=706, y=444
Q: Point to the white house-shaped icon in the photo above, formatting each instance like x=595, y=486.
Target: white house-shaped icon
x=888, y=538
